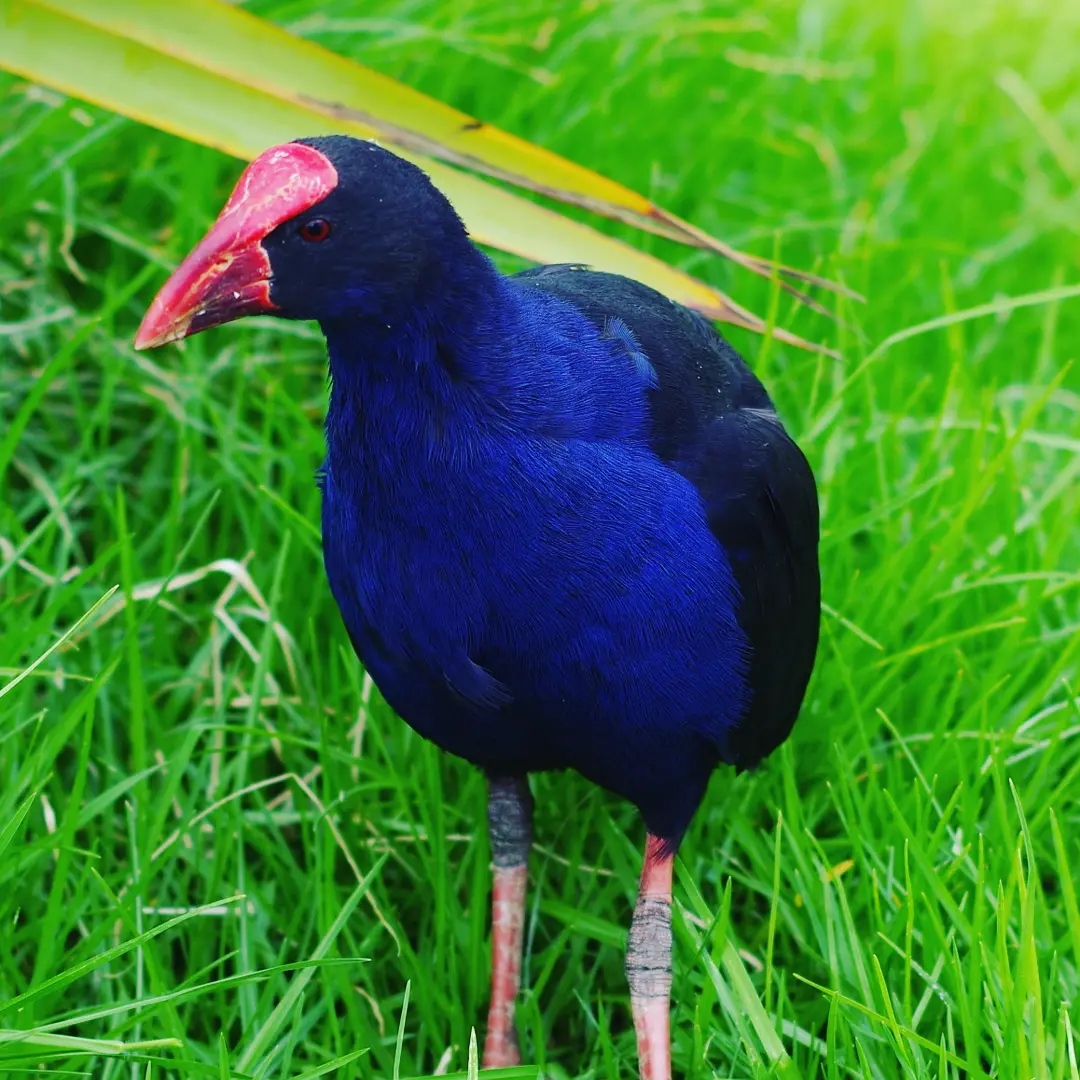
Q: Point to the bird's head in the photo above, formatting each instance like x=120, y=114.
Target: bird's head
x=323, y=228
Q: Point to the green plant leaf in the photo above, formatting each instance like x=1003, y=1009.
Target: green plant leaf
x=211, y=73
x=205, y=33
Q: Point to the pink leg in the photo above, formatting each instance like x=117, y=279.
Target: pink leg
x=510, y=824
x=648, y=963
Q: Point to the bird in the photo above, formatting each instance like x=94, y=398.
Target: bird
x=561, y=519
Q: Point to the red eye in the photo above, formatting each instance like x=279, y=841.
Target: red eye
x=316, y=230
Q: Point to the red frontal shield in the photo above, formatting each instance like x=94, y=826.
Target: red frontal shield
x=227, y=276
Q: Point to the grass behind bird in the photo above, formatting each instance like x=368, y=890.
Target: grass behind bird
x=207, y=817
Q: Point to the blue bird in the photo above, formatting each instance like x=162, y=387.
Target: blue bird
x=561, y=519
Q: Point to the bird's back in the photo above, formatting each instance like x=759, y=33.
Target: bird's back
x=712, y=420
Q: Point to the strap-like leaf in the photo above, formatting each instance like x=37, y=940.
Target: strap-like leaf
x=215, y=74
x=209, y=33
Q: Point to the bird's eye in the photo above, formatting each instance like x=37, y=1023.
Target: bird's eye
x=316, y=230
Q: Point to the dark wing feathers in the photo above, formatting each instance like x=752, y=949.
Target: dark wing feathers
x=762, y=506
x=713, y=421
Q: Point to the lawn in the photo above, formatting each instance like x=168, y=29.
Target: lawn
x=218, y=846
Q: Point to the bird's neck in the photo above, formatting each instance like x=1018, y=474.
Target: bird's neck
x=402, y=383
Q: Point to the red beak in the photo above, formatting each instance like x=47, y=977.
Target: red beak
x=228, y=274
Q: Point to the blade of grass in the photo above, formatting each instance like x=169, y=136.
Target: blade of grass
x=263, y=1039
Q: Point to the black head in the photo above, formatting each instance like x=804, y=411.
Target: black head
x=380, y=238
x=322, y=228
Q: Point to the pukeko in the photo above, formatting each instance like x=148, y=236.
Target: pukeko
x=561, y=520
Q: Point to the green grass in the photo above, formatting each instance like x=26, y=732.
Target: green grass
x=218, y=847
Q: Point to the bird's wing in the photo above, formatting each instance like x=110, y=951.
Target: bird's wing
x=761, y=504
x=712, y=420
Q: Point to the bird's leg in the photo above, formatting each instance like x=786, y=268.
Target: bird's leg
x=510, y=825
x=648, y=962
